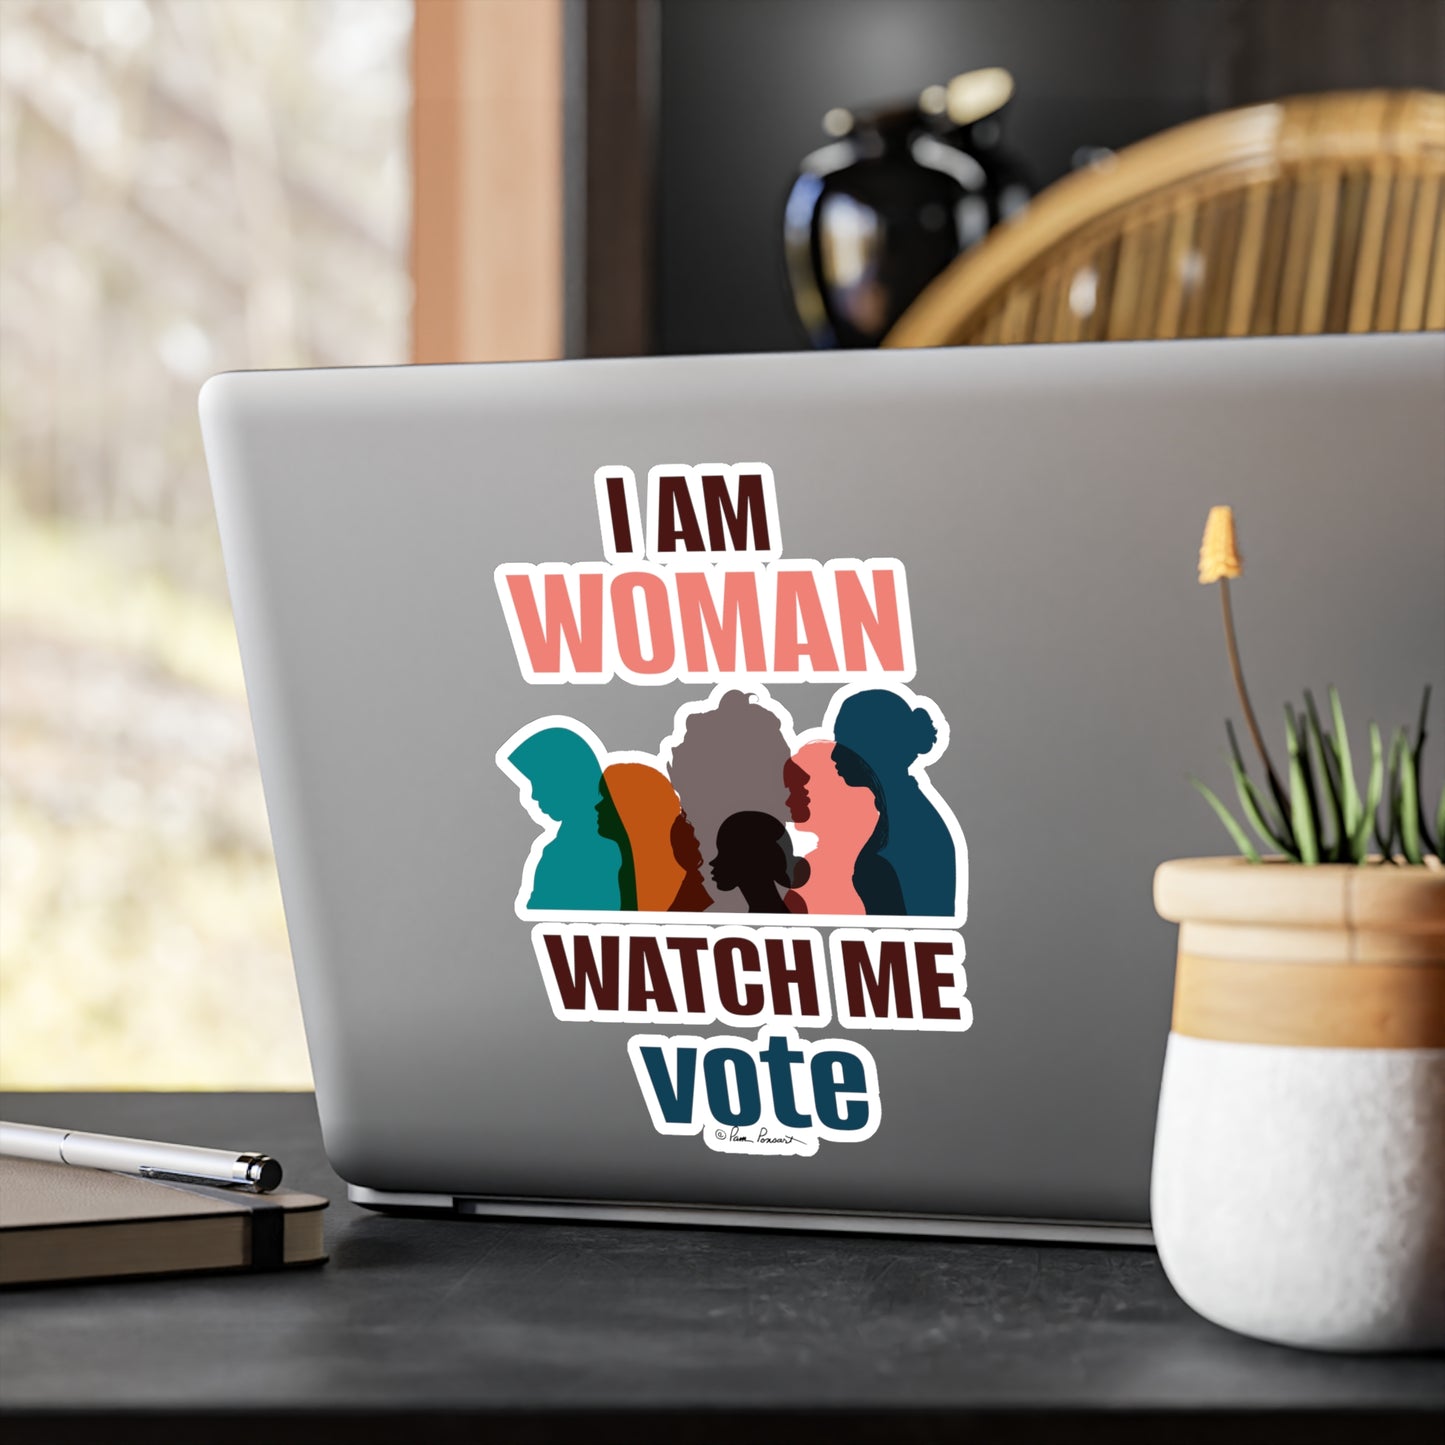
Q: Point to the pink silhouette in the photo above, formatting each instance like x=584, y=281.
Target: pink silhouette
x=842, y=817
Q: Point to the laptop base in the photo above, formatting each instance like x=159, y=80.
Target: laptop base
x=947, y=1226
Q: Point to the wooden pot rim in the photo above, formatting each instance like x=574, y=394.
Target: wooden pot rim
x=1379, y=897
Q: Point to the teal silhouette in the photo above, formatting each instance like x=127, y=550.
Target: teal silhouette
x=578, y=867
x=889, y=735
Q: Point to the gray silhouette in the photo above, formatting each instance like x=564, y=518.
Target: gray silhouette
x=729, y=760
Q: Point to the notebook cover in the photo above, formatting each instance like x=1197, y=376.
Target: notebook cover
x=39, y=1200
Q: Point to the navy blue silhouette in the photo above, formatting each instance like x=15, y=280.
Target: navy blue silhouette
x=884, y=731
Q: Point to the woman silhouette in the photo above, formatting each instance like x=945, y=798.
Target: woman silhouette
x=692, y=896
x=576, y=869
x=755, y=856
x=637, y=810
x=729, y=759
x=844, y=818
x=611, y=827
x=889, y=735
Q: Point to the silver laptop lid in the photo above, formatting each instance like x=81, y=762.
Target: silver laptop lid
x=737, y=781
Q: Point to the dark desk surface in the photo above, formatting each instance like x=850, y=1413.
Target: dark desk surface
x=544, y=1331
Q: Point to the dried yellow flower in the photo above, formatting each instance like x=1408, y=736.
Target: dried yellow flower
x=1219, y=553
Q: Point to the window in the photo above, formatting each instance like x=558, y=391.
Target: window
x=186, y=188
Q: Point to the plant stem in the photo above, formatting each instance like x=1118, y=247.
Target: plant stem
x=1250, y=720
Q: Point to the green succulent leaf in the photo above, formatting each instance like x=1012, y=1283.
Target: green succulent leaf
x=1437, y=844
x=1409, y=808
x=1349, y=793
x=1321, y=743
x=1275, y=826
x=1301, y=818
x=1391, y=809
x=1254, y=810
x=1240, y=837
x=1360, y=841
x=1297, y=722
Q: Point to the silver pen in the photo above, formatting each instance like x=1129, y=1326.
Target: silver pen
x=180, y=1163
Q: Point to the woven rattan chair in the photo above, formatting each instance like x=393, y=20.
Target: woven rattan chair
x=1322, y=213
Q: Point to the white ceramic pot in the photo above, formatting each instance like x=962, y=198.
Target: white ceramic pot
x=1299, y=1161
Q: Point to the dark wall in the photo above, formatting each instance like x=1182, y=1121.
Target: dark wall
x=744, y=83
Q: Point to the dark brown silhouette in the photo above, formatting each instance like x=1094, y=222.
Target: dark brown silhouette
x=755, y=856
x=692, y=896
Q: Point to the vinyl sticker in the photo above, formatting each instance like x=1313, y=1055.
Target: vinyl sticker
x=646, y=861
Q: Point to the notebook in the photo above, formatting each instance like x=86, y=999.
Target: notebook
x=58, y=1223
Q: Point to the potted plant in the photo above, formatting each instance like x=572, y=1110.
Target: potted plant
x=1299, y=1165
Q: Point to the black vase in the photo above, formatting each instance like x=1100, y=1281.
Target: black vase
x=874, y=217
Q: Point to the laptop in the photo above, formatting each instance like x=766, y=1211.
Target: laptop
x=728, y=789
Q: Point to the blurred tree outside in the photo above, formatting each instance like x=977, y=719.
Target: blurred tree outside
x=186, y=186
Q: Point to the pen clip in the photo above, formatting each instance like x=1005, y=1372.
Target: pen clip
x=171, y=1176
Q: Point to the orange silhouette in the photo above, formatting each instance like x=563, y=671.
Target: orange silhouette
x=647, y=807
